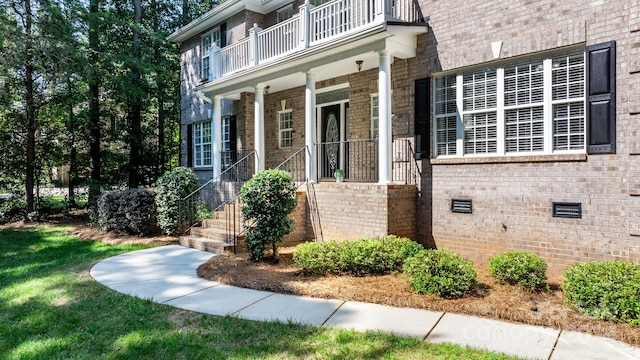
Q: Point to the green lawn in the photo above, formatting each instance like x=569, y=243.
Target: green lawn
x=50, y=308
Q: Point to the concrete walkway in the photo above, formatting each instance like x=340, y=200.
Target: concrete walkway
x=167, y=275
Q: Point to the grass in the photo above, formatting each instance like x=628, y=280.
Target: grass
x=50, y=308
x=59, y=203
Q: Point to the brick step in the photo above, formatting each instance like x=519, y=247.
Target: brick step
x=220, y=223
x=221, y=215
x=204, y=244
x=211, y=233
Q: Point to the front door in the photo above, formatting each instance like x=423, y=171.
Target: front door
x=332, y=132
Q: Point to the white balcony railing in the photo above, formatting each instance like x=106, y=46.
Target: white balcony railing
x=339, y=17
x=311, y=27
x=278, y=40
x=234, y=57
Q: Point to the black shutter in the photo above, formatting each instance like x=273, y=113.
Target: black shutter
x=601, y=98
x=190, y=146
x=223, y=35
x=421, y=120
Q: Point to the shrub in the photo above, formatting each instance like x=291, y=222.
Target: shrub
x=369, y=256
x=172, y=187
x=267, y=200
x=519, y=268
x=12, y=209
x=440, y=272
x=608, y=290
x=130, y=211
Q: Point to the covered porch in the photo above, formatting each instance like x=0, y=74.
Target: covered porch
x=331, y=41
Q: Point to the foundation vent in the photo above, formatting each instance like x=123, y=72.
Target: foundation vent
x=567, y=210
x=461, y=206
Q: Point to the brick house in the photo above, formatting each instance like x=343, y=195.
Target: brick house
x=471, y=125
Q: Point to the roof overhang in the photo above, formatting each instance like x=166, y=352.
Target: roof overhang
x=222, y=12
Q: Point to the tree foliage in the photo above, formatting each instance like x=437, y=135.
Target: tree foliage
x=267, y=200
x=92, y=85
x=172, y=187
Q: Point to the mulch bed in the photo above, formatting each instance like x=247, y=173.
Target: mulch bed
x=502, y=302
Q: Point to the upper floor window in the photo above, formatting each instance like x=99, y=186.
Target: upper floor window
x=285, y=121
x=208, y=40
x=535, y=106
x=202, y=144
x=285, y=13
x=318, y=2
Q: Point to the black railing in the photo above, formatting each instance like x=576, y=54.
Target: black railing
x=214, y=194
x=296, y=165
x=357, y=158
x=405, y=167
x=237, y=171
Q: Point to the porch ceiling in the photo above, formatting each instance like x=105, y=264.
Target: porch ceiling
x=328, y=61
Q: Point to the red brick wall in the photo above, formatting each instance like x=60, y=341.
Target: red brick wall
x=356, y=210
x=512, y=201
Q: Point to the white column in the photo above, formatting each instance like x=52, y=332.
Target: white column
x=259, y=127
x=216, y=133
x=384, y=119
x=310, y=127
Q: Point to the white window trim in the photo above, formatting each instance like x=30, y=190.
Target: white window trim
x=281, y=130
x=547, y=104
x=225, y=131
x=199, y=160
x=375, y=119
x=205, y=55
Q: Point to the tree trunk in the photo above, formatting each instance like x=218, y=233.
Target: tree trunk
x=160, y=92
x=185, y=12
x=161, y=146
x=73, y=154
x=135, y=108
x=94, y=91
x=30, y=113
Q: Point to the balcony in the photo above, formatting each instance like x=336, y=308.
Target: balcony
x=312, y=28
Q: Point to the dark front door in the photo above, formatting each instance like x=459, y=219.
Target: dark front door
x=331, y=123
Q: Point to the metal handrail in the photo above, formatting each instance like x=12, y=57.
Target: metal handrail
x=280, y=166
x=199, y=189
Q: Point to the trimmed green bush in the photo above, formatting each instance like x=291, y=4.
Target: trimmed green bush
x=520, y=268
x=172, y=187
x=440, y=272
x=12, y=209
x=608, y=290
x=368, y=256
x=130, y=211
x=267, y=200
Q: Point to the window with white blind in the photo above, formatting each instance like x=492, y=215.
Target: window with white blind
x=207, y=40
x=527, y=107
x=446, y=118
x=285, y=120
x=202, y=144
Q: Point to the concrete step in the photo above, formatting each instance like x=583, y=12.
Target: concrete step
x=204, y=244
